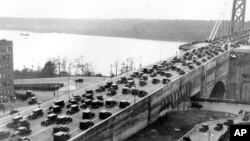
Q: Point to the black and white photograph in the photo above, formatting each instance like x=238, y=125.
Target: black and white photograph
x=124, y=70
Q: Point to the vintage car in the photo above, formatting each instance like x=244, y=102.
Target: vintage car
x=51, y=119
x=88, y=102
x=85, y=124
x=190, y=67
x=204, y=128
x=142, y=83
x=19, y=138
x=63, y=119
x=59, y=103
x=55, y=109
x=103, y=114
x=13, y=111
x=73, y=109
x=168, y=75
x=95, y=104
x=89, y=96
x=89, y=92
x=87, y=114
x=145, y=77
x=36, y=113
x=123, y=104
x=22, y=131
x=33, y=100
x=142, y=93
x=182, y=72
x=126, y=90
x=114, y=87
x=15, y=121
x=153, y=75
x=4, y=134
x=77, y=98
x=61, y=136
x=130, y=83
x=165, y=81
x=134, y=91
x=100, y=89
x=218, y=127
x=110, y=103
x=156, y=81
x=111, y=92
x=100, y=97
x=59, y=128
x=108, y=84
x=23, y=123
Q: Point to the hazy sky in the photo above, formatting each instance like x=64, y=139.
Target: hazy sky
x=144, y=9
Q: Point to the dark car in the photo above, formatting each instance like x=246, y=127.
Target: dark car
x=100, y=89
x=72, y=102
x=36, y=113
x=73, y=109
x=89, y=92
x=142, y=83
x=61, y=136
x=33, y=100
x=63, y=119
x=80, y=80
x=77, y=98
x=59, y=103
x=229, y=122
x=100, y=97
x=59, y=128
x=219, y=127
x=153, y=75
x=165, y=81
x=196, y=105
x=87, y=102
x=155, y=81
x=126, y=90
x=168, y=75
x=109, y=103
x=134, y=91
x=108, y=84
x=182, y=72
x=130, y=83
x=51, y=118
x=204, y=128
x=111, y=92
x=15, y=121
x=198, y=63
x=123, y=80
x=89, y=96
x=85, y=124
x=95, y=104
x=23, y=123
x=191, y=67
x=124, y=104
x=150, y=70
x=87, y=114
x=186, y=138
x=203, y=60
x=103, y=114
x=114, y=86
x=55, y=109
x=142, y=93
x=4, y=134
x=145, y=77
x=22, y=131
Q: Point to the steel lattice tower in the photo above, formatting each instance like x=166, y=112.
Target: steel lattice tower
x=238, y=16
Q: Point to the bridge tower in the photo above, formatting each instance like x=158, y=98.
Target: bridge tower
x=238, y=16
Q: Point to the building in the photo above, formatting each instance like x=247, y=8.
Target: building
x=6, y=71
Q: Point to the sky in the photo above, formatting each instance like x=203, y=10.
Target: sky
x=116, y=9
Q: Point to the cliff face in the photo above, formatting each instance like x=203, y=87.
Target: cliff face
x=171, y=30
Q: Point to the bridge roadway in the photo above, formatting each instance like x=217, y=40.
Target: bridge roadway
x=40, y=133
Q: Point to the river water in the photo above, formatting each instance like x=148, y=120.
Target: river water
x=34, y=49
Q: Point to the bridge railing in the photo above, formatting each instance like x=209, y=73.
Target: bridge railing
x=217, y=100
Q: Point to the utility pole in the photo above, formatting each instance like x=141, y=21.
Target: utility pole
x=140, y=63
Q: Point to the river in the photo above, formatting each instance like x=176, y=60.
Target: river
x=34, y=49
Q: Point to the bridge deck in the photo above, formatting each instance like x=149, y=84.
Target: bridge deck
x=40, y=133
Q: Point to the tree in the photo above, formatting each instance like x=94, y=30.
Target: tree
x=80, y=64
x=49, y=69
x=116, y=65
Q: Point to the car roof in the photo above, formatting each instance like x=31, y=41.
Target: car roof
x=86, y=111
x=59, y=133
x=62, y=116
x=17, y=117
x=58, y=100
x=85, y=120
x=123, y=100
x=33, y=97
x=103, y=111
x=21, y=128
x=55, y=106
x=37, y=109
x=51, y=115
x=74, y=105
